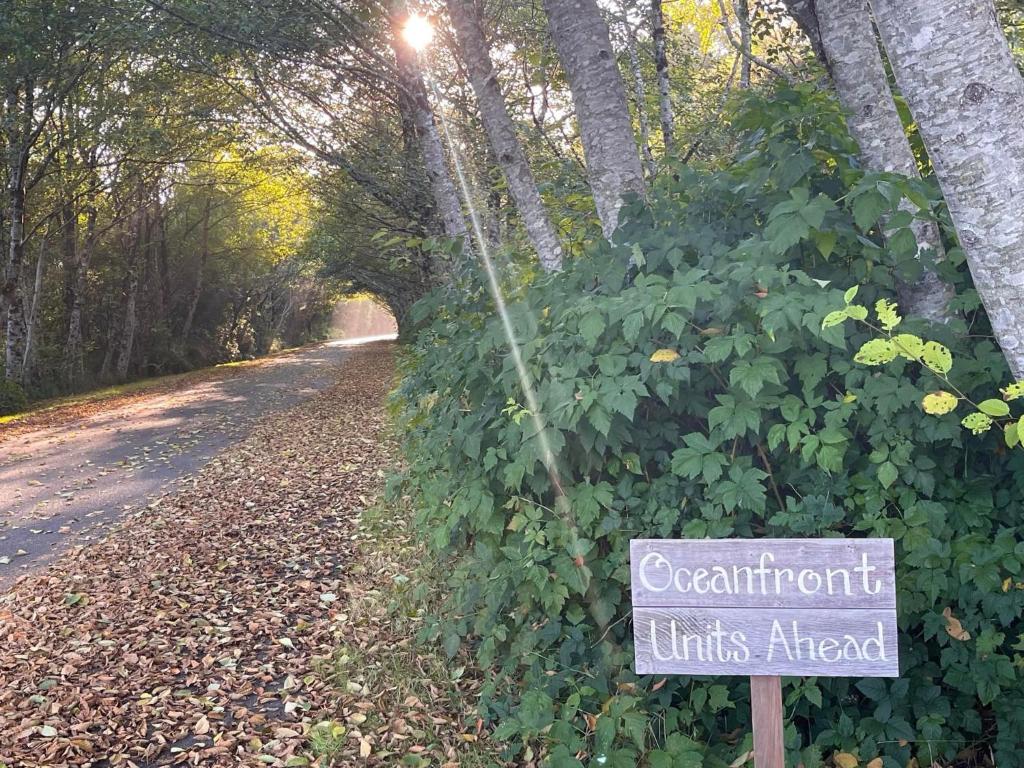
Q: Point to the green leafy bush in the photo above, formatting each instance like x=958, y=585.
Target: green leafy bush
x=12, y=397
x=701, y=397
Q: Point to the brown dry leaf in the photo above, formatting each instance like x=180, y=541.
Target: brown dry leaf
x=953, y=626
x=187, y=597
x=845, y=760
x=365, y=748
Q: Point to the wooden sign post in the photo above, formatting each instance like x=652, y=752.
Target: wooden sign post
x=765, y=608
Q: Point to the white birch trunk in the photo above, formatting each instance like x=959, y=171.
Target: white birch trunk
x=33, y=314
x=640, y=99
x=581, y=38
x=853, y=59
x=661, y=68
x=502, y=133
x=13, y=304
x=954, y=68
x=742, y=11
x=442, y=187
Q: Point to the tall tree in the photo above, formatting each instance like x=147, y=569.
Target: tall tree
x=639, y=93
x=581, y=38
x=742, y=10
x=845, y=39
x=954, y=68
x=416, y=100
x=501, y=132
x=662, y=71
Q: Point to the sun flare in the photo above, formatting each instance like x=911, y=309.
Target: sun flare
x=418, y=31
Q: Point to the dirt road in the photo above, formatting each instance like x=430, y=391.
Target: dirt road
x=63, y=485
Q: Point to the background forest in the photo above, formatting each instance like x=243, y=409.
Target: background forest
x=687, y=268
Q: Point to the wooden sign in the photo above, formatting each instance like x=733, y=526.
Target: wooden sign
x=764, y=607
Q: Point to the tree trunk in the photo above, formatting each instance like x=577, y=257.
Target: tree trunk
x=33, y=313
x=446, y=196
x=581, y=38
x=197, y=286
x=73, y=359
x=850, y=49
x=13, y=298
x=130, y=317
x=502, y=133
x=742, y=10
x=661, y=67
x=955, y=70
x=640, y=99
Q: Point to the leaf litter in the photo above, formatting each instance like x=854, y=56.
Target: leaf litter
x=205, y=630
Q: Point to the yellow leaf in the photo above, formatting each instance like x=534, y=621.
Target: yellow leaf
x=978, y=423
x=845, y=760
x=953, y=626
x=887, y=316
x=849, y=397
x=876, y=352
x=876, y=763
x=1013, y=391
x=938, y=403
x=741, y=759
x=664, y=356
x=937, y=357
x=908, y=346
x=1007, y=583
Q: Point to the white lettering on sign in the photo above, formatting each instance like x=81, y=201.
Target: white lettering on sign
x=765, y=607
x=657, y=574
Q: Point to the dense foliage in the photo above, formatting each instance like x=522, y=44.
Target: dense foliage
x=12, y=397
x=686, y=388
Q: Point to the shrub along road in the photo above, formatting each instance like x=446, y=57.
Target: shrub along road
x=199, y=632
x=63, y=483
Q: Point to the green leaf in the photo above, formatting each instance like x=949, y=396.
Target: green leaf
x=868, y=208
x=591, y=327
x=1011, y=433
x=851, y=293
x=876, y=352
x=826, y=242
x=994, y=407
x=834, y=318
x=857, y=311
x=887, y=474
